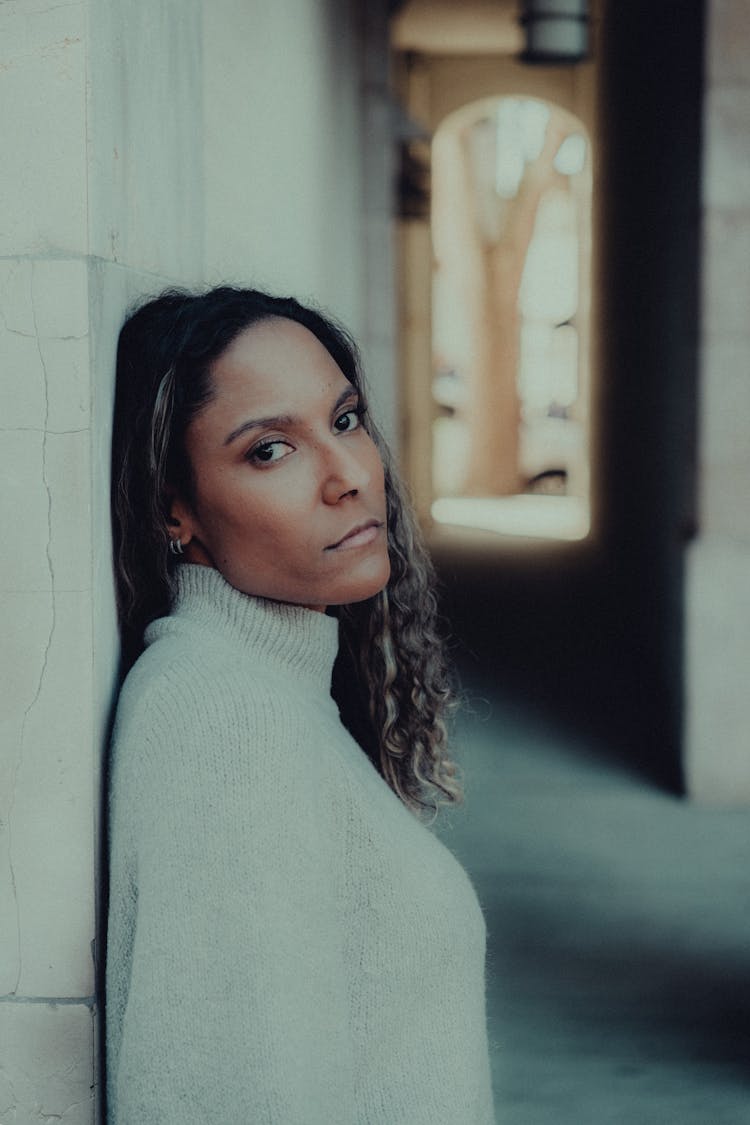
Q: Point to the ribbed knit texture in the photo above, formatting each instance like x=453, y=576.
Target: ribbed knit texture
x=287, y=943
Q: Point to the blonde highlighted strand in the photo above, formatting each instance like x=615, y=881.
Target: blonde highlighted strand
x=400, y=655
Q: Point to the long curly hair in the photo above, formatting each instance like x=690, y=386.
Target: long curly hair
x=391, y=679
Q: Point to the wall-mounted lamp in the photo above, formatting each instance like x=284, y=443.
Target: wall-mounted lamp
x=557, y=31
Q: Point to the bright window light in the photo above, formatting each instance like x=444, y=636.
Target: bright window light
x=571, y=155
x=530, y=517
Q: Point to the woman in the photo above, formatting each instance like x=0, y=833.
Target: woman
x=287, y=942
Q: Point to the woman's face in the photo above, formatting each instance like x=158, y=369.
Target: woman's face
x=289, y=493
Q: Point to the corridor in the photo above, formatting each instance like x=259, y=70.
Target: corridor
x=619, y=929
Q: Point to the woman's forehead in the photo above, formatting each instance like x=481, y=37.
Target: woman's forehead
x=274, y=349
x=277, y=367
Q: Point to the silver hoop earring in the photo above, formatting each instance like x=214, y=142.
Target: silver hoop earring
x=175, y=546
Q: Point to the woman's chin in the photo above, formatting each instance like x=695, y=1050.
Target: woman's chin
x=364, y=587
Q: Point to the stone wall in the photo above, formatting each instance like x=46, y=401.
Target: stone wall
x=718, y=574
x=87, y=226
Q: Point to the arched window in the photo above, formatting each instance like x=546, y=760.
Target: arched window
x=511, y=219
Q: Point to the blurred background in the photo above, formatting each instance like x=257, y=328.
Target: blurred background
x=535, y=218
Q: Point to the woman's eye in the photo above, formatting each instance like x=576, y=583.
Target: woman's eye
x=269, y=451
x=349, y=420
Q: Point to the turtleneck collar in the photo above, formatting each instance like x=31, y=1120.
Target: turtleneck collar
x=297, y=641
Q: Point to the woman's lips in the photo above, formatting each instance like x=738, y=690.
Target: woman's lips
x=358, y=537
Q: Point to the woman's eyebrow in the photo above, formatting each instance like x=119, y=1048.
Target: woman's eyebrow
x=260, y=423
x=273, y=420
x=346, y=395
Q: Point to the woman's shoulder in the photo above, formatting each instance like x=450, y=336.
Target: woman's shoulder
x=166, y=678
x=198, y=694
x=182, y=669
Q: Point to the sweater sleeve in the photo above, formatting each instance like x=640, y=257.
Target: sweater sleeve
x=230, y=986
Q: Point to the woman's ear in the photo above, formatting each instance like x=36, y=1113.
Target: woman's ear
x=183, y=526
x=180, y=517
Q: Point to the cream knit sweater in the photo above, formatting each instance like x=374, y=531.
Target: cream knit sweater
x=287, y=943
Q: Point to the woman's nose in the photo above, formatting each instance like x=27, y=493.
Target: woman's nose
x=346, y=472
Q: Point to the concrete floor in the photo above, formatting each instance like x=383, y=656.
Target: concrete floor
x=619, y=930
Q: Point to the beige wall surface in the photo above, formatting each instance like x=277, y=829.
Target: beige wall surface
x=718, y=571
x=176, y=143
x=283, y=182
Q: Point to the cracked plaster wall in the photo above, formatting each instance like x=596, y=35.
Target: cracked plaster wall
x=718, y=563
x=86, y=227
